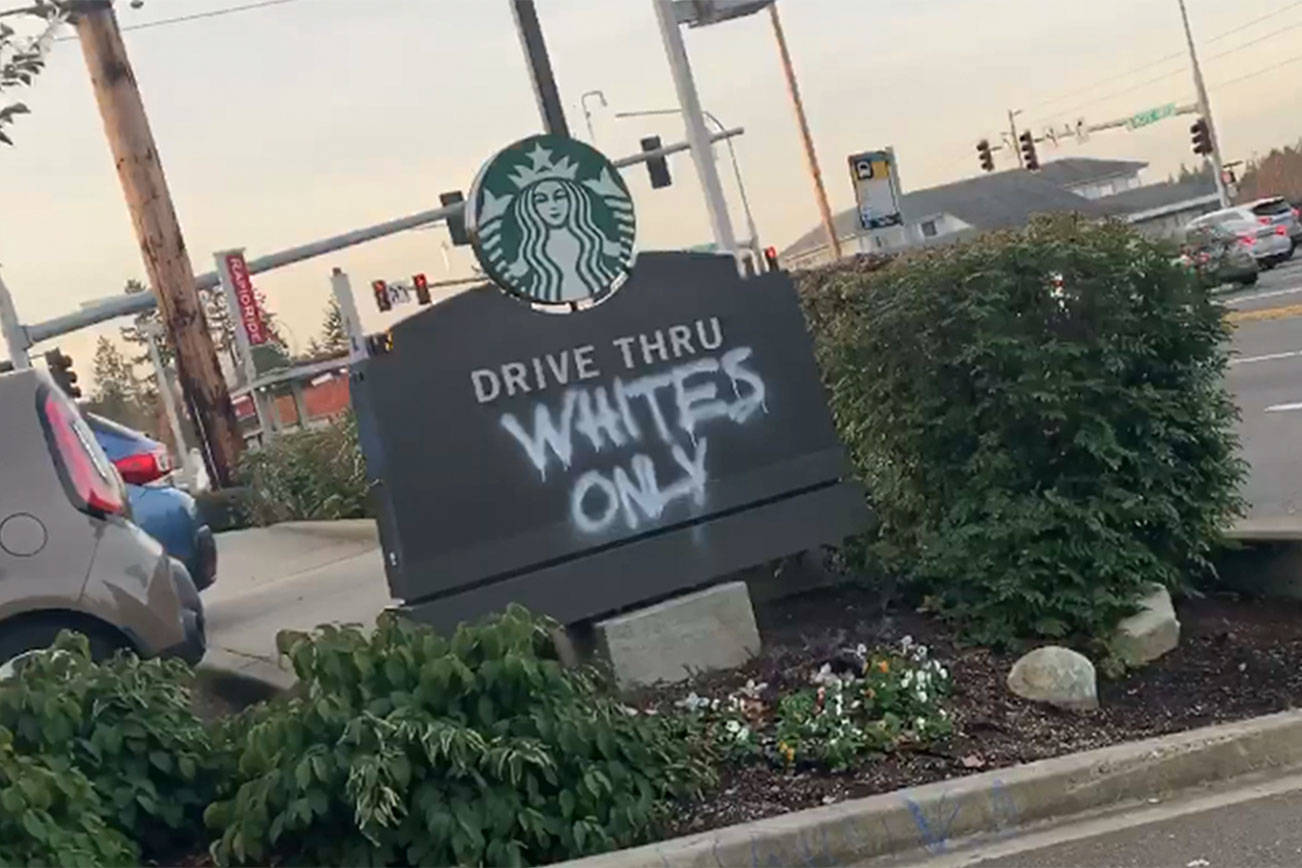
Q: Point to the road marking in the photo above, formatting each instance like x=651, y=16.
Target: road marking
x=1272, y=294
x=1284, y=408
x=1285, y=312
x=1267, y=358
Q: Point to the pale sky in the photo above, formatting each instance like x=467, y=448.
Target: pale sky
x=281, y=125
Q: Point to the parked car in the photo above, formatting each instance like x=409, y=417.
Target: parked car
x=1269, y=243
x=165, y=512
x=1219, y=256
x=1276, y=211
x=70, y=557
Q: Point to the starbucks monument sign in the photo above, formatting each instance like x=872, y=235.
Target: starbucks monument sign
x=530, y=446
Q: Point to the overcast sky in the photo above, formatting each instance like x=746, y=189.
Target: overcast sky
x=280, y=125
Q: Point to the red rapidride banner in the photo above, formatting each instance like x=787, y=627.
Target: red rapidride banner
x=246, y=300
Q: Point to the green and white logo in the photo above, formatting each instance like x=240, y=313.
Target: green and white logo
x=551, y=221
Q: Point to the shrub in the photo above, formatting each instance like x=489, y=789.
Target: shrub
x=317, y=473
x=1040, y=418
x=406, y=747
x=51, y=815
x=125, y=724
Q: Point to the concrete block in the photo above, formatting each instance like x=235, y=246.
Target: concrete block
x=670, y=641
x=1150, y=632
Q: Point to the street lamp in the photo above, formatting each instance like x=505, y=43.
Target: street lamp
x=736, y=169
x=587, y=115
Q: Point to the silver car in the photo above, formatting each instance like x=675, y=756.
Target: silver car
x=1269, y=243
x=70, y=558
x=1275, y=211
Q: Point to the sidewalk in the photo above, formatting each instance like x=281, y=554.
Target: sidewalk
x=290, y=576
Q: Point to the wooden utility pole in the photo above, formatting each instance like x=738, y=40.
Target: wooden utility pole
x=811, y=159
x=159, y=234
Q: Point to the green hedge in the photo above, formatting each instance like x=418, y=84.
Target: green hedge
x=305, y=475
x=1040, y=417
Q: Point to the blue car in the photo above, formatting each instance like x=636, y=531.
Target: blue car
x=163, y=511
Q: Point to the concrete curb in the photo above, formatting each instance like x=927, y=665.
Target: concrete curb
x=242, y=680
x=996, y=802
x=361, y=530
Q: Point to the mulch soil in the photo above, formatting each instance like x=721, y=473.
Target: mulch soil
x=1236, y=659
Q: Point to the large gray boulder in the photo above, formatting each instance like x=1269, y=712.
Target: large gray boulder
x=1056, y=676
x=1149, y=633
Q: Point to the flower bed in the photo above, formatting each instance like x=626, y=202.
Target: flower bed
x=1237, y=659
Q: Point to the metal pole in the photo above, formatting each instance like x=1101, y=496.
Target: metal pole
x=540, y=67
x=169, y=405
x=811, y=158
x=1016, y=145
x=698, y=137
x=1205, y=106
x=343, y=291
x=14, y=335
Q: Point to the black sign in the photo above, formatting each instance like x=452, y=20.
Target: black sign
x=583, y=462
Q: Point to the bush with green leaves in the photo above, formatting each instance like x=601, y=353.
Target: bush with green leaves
x=312, y=474
x=1041, y=420
x=51, y=815
x=127, y=726
x=406, y=747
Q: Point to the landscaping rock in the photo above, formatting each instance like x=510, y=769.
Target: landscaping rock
x=1056, y=676
x=1151, y=632
x=671, y=641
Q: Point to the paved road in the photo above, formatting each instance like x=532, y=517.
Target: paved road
x=1241, y=826
x=1266, y=378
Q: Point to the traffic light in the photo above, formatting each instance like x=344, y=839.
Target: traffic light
x=771, y=258
x=983, y=154
x=1029, y=160
x=656, y=167
x=1202, y=137
x=422, y=288
x=62, y=372
x=381, y=290
x=456, y=223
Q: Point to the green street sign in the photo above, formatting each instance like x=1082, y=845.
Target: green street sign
x=551, y=221
x=1150, y=116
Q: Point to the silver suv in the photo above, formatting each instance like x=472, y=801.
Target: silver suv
x=70, y=558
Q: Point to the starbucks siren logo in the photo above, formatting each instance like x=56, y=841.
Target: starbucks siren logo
x=551, y=221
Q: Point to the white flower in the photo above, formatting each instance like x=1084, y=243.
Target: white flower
x=943, y=713
x=732, y=726
x=922, y=696
x=922, y=723
x=907, y=679
x=944, y=673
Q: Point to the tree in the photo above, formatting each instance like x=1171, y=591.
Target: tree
x=23, y=58
x=1279, y=173
x=334, y=336
x=117, y=393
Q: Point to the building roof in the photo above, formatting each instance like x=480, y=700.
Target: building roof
x=1153, y=196
x=993, y=201
x=1074, y=171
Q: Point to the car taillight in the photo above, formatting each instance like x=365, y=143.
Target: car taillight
x=90, y=480
x=1280, y=230
x=1247, y=240
x=1264, y=221
x=1297, y=215
x=143, y=467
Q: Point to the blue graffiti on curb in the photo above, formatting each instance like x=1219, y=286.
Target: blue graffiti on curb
x=934, y=830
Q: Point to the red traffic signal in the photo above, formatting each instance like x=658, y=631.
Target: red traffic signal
x=422, y=288
x=771, y=258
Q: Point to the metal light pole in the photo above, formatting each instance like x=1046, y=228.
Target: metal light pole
x=540, y=67
x=698, y=137
x=1205, y=108
x=753, y=241
x=1012, y=131
x=587, y=115
x=14, y=334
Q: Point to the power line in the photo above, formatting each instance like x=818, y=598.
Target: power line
x=1240, y=28
x=196, y=16
x=1262, y=71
